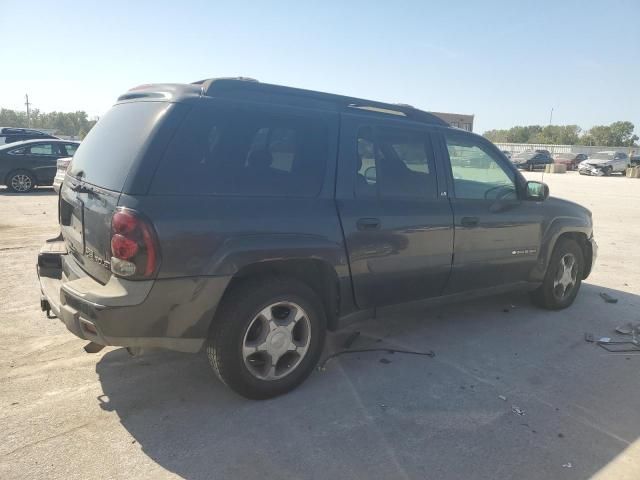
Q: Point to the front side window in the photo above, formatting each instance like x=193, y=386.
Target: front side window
x=394, y=162
x=231, y=152
x=477, y=174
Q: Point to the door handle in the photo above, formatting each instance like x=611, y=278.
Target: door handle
x=368, y=224
x=469, y=221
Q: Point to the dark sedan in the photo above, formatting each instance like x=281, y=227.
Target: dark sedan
x=12, y=135
x=24, y=165
x=532, y=159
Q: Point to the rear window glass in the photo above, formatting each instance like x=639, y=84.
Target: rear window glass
x=118, y=139
x=220, y=151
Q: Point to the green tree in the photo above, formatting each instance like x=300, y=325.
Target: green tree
x=63, y=123
x=618, y=134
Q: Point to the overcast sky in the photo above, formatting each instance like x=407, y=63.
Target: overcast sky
x=507, y=62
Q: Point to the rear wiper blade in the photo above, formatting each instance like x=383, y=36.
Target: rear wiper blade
x=81, y=189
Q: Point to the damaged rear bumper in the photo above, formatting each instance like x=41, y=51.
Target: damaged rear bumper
x=174, y=314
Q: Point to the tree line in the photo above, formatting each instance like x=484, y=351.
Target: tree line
x=64, y=123
x=618, y=134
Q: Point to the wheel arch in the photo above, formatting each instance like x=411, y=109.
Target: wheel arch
x=318, y=274
x=569, y=228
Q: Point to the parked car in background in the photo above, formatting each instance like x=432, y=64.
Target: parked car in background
x=571, y=160
x=12, y=135
x=604, y=163
x=61, y=169
x=247, y=219
x=507, y=153
x=532, y=160
x=24, y=165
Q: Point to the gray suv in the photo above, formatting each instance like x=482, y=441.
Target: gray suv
x=247, y=219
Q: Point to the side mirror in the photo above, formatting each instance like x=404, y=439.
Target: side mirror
x=370, y=174
x=537, y=191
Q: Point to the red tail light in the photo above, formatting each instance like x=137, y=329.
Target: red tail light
x=134, y=247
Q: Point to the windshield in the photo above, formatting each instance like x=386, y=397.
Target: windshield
x=525, y=155
x=603, y=156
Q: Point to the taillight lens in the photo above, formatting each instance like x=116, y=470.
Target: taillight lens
x=134, y=246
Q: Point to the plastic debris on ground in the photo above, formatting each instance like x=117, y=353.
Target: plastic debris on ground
x=502, y=397
x=517, y=410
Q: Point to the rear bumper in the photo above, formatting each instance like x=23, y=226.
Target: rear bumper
x=174, y=313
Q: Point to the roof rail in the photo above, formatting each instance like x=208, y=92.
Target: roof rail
x=216, y=87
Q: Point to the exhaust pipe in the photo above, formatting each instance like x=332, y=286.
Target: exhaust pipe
x=93, y=347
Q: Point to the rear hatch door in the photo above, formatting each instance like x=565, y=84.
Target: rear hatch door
x=128, y=140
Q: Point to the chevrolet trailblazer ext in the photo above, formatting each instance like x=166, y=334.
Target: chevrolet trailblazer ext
x=247, y=219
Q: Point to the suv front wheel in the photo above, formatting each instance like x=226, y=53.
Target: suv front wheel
x=267, y=337
x=563, y=278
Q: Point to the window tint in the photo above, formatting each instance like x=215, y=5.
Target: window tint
x=18, y=151
x=394, y=162
x=43, y=149
x=477, y=174
x=70, y=148
x=117, y=140
x=231, y=152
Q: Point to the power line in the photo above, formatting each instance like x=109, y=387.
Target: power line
x=26, y=96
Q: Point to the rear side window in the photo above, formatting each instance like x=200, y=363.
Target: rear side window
x=394, y=162
x=116, y=142
x=233, y=152
x=70, y=148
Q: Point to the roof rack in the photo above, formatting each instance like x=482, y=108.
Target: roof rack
x=244, y=87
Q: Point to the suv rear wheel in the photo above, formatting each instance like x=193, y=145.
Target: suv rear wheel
x=563, y=278
x=267, y=337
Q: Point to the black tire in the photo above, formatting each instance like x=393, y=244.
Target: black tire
x=607, y=171
x=237, y=314
x=547, y=295
x=20, y=181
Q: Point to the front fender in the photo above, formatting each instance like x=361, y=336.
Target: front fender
x=556, y=228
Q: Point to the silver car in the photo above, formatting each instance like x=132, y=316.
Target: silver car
x=604, y=163
x=61, y=169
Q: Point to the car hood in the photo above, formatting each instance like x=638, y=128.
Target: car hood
x=597, y=161
x=562, y=207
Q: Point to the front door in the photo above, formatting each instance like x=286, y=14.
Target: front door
x=398, y=230
x=497, y=235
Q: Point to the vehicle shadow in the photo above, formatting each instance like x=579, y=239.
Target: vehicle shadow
x=408, y=415
x=38, y=191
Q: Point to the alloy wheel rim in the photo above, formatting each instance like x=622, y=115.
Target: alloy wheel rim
x=21, y=182
x=276, y=341
x=566, y=276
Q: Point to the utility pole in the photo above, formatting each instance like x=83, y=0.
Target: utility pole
x=28, y=110
x=551, y=117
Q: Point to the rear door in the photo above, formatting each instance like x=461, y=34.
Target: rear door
x=41, y=159
x=398, y=229
x=497, y=235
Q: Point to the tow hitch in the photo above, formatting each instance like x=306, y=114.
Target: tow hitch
x=45, y=306
x=93, y=347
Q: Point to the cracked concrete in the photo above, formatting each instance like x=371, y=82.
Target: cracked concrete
x=65, y=414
